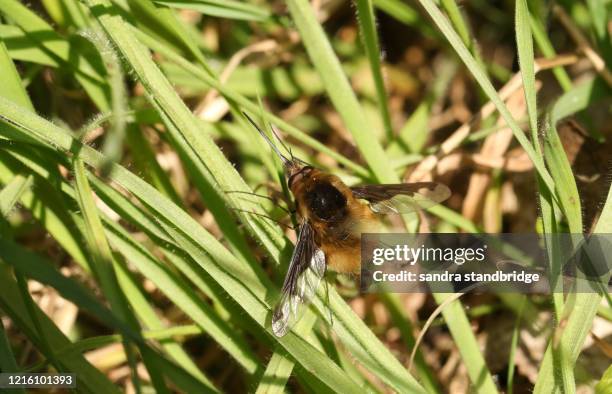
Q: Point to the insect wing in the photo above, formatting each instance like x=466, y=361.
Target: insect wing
x=402, y=197
x=306, y=269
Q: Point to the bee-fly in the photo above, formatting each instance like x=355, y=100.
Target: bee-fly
x=331, y=217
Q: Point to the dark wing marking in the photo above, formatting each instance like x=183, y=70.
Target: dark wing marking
x=306, y=269
x=402, y=197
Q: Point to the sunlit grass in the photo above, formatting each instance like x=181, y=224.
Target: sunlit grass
x=122, y=225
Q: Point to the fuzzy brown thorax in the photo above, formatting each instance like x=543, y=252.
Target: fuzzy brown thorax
x=337, y=217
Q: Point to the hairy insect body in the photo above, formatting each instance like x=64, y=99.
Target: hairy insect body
x=332, y=217
x=336, y=216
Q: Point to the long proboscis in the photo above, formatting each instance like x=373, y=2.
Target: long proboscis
x=272, y=145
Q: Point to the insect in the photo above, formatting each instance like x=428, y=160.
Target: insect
x=331, y=218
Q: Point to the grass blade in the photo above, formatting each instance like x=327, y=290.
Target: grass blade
x=174, y=111
x=12, y=88
x=220, y=264
x=102, y=265
x=487, y=87
x=585, y=305
x=404, y=13
x=459, y=327
x=544, y=44
x=223, y=9
x=164, y=279
x=561, y=171
x=7, y=359
x=12, y=304
x=514, y=344
x=12, y=192
x=158, y=330
x=87, y=66
x=579, y=323
x=279, y=368
x=147, y=164
x=338, y=89
x=369, y=36
x=244, y=102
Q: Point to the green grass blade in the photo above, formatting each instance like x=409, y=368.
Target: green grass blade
x=358, y=341
x=87, y=66
x=248, y=291
x=178, y=291
x=544, y=44
x=12, y=87
x=7, y=359
x=524, y=45
x=369, y=36
x=579, y=322
x=244, y=102
x=513, y=346
x=585, y=305
x=101, y=255
x=22, y=47
x=454, y=14
x=47, y=207
x=578, y=99
x=67, y=13
x=402, y=322
x=599, y=12
x=102, y=264
x=338, y=89
x=32, y=310
x=147, y=164
x=229, y=9
x=279, y=368
x=175, y=289
x=158, y=330
x=12, y=192
x=414, y=134
x=460, y=328
x=113, y=140
x=561, y=171
x=487, y=87
x=404, y=13
x=208, y=188
x=12, y=304
x=163, y=23
x=173, y=110
x=461, y=26
x=605, y=383
x=275, y=376
x=9, y=196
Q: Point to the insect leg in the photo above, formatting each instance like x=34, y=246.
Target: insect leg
x=263, y=216
x=289, y=211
